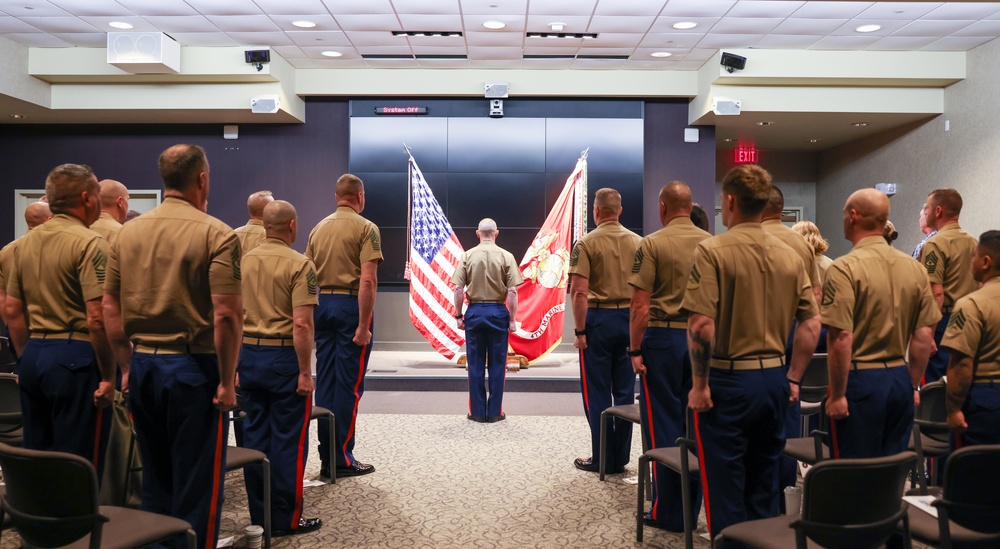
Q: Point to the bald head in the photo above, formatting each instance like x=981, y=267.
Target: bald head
x=676, y=197
x=487, y=229
x=256, y=203
x=280, y=220
x=869, y=210
x=111, y=191
x=37, y=213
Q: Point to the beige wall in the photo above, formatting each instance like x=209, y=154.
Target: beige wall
x=922, y=157
x=793, y=172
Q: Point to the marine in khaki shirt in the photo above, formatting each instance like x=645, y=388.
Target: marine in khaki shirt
x=253, y=234
x=34, y=215
x=487, y=272
x=973, y=336
x=339, y=245
x=114, y=209
x=771, y=221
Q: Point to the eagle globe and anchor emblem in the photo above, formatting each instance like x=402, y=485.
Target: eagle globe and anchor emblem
x=547, y=267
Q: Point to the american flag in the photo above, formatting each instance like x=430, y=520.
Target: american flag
x=434, y=252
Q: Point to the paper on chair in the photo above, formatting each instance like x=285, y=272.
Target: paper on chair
x=225, y=542
x=923, y=503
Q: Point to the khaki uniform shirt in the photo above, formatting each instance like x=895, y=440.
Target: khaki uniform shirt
x=486, y=272
x=107, y=227
x=339, y=244
x=251, y=235
x=166, y=266
x=7, y=262
x=662, y=265
x=974, y=329
x=753, y=285
x=276, y=279
x=798, y=243
x=947, y=256
x=58, y=268
x=880, y=295
x=823, y=263
x=604, y=257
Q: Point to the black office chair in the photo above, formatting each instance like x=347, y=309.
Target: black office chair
x=931, y=434
x=815, y=382
x=854, y=503
x=7, y=360
x=51, y=499
x=813, y=448
x=682, y=459
x=628, y=412
x=11, y=431
x=969, y=507
x=237, y=458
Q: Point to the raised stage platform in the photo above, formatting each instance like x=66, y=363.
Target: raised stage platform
x=429, y=371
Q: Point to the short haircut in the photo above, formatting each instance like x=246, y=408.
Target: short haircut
x=811, y=233
x=180, y=165
x=676, y=196
x=608, y=202
x=699, y=217
x=775, y=202
x=949, y=200
x=257, y=201
x=889, y=232
x=65, y=184
x=989, y=244
x=349, y=185
x=750, y=185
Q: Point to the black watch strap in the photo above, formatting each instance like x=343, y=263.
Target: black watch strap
x=635, y=352
x=580, y=332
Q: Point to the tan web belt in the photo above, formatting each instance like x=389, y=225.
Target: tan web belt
x=760, y=363
x=268, y=341
x=340, y=291
x=69, y=336
x=877, y=365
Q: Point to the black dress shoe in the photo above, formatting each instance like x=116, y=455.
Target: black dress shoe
x=355, y=469
x=477, y=419
x=324, y=471
x=305, y=526
x=495, y=419
x=647, y=519
x=586, y=464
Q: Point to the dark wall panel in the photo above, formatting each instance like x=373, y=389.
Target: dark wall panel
x=377, y=143
x=499, y=145
x=615, y=144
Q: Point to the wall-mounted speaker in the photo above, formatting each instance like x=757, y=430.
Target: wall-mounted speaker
x=144, y=52
x=726, y=107
x=496, y=90
x=265, y=104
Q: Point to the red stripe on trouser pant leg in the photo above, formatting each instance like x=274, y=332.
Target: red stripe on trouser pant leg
x=583, y=380
x=652, y=437
x=701, y=465
x=213, y=508
x=300, y=464
x=357, y=400
x=96, y=458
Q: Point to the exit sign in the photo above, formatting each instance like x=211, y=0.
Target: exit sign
x=746, y=155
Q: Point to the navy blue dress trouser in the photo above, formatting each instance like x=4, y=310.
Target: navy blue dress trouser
x=937, y=365
x=982, y=415
x=182, y=439
x=486, y=350
x=607, y=379
x=277, y=423
x=663, y=397
x=340, y=372
x=57, y=378
x=880, y=420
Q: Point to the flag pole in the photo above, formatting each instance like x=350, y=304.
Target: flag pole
x=409, y=209
x=580, y=198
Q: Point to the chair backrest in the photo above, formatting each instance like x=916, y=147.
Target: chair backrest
x=971, y=489
x=10, y=400
x=815, y=380
x=7, y=362
x=932, y=414
x=51, y=496
x=854, y=502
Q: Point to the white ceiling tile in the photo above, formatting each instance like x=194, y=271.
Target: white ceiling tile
x=499, y=63
x=289, y=52
x=443, y=63
x=561, y=7
x=614, y=40
x=958, y=43
x=494, y=39
x=665, y=24
x=11, y=24
x=451, y=22
x=629, y=7
x=547, y=63
x=84, y=39
x=889, y=26
x=138, y=24
x=381, y=38
x=856, y=42
x=689, y=65
x=553, y=42
x=494, y=53
x=902, y=43
x=981, y=28
x=203, y=39
x=643, y=53
x=701, y=55
x=371, y=22
x=360, y=7
x=745, y=25
x=574, y=23
x=439, y=50
x=92, y=8
x=719, y=41
x=651, y=64
x=33, y=8
x=292, y=7
x=243, y=23
x=347, y=51
x=327, y=63
x=182, y=23
x=697, y=8
x=786, y=41
x=764, y=9
x=562, y=50
x=668, y=39
x=391, y=63
x=37, y=40
x=426, y=6
x=330, y=38
x=380, y=50
x=437, y=41
x=261, y=38
x=932, y=28
x=60, y=24
x=605, y=51
x=964, y=10
x=618, y=23
x=301, y=63
x=224, y=7
x=474, y=23
x=815, y=27
x=324, y=22
x=598, y=64
x=898, y=10
x=831, y=10
x=158, y=7
x=485, y=7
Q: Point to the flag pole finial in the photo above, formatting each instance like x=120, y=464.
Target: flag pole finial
x=585, y=152
x=407, y=149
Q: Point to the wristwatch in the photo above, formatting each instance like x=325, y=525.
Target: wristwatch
x=459, y=315
x=580, y=332
x=635, y=352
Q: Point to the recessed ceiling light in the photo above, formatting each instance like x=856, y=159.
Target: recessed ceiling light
x=332, y=53
x=18, y=116
x=119, y=25
x=494, y=25
x=660, y=54
x=685, y=25
x=304, y=24
x=860, y=124
x=868, y=28
x=765, y=123
x=815, y=140
x=557, y=26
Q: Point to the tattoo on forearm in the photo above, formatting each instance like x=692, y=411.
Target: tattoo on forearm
x=956, y=395
x=700, y=353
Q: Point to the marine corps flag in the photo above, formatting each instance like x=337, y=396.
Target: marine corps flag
x=541, y=300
